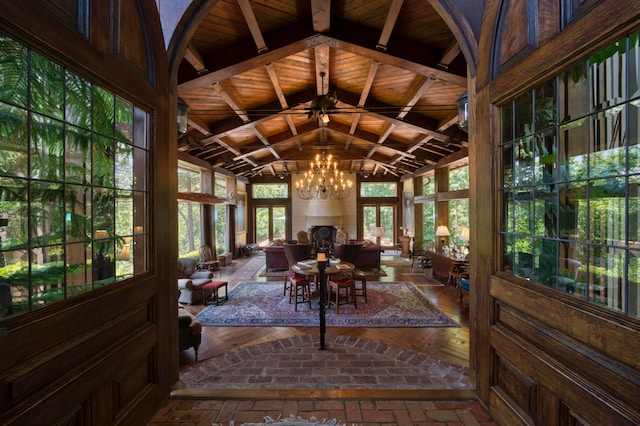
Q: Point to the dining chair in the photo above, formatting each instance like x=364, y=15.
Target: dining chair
x=298, y=286
x=350, y=253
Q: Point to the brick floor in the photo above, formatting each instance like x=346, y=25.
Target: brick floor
x=348, y=363
x=360, y=413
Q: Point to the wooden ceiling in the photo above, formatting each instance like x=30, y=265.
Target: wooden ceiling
x=253, y=68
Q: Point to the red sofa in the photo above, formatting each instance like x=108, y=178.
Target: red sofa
x=369, y=256
x=275, y=257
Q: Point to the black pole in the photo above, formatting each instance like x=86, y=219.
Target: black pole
x=322, y=264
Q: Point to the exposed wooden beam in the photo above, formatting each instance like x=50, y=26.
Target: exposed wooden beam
x=449, y=55
x=233, y=103
x=366, y=89
x=195, y=59
x=273, y=76
x=389, y=24
x=322, y=69
x=349, y=44
x=415, y=97
x=199, y=197
x=252, y=23
x=321, y=15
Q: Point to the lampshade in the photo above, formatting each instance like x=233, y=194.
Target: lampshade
x=378, y=231
x=463, y=111
x=464, y=235
x=442, y=231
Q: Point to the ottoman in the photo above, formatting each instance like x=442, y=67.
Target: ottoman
x=210, y=292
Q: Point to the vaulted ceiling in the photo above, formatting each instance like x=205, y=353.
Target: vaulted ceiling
x=254, y=67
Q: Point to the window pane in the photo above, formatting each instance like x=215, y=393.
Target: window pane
x=124, y=166
x=13, y=72
x=608, y=146
x=428, y=185
x=458, y=220
x=369, y=221
x=386, y=221
x=77, y=213
x=47, y=213
x=78, y=101
x=378, y=190
x=279, y=222
x=77, y=155
x=429, y=220
x=47, y=92
x=188, y=180
x=14, y=211
x=459, y=178
x=607, y=211
x=47, y=145
x=47, y=275
x=573, y=93
x=270, y=190
x=189, y=229
x=572, y=153
x=13, y=143
x=262, y=226
x=221, y=226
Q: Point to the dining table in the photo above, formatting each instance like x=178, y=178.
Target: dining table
x=321, y=269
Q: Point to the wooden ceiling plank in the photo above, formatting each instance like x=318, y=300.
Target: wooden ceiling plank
x=415, y=97
x=321, y=15
x=389, y=24
x=252, y=23
x=233, y=103
x=449, y=121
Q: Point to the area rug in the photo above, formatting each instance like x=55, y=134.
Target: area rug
x=250, y=268
x=390, y=304
x=369, y=273
x=291, y=421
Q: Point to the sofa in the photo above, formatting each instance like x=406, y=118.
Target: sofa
x=276, y=260
x=190, y=281
x=369, y=255
x=189, y=331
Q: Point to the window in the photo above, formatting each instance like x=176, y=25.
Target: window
x=570, y=180
x=73, y=183
x=189, y=214
x=378, y=189
x=270, y=190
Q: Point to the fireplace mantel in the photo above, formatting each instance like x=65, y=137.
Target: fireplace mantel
x=312, y=221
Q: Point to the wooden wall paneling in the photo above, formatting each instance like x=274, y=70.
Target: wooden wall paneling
x=526, y=332
x=516, y=32
x=129, y=40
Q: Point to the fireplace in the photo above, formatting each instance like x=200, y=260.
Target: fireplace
x=323, y=235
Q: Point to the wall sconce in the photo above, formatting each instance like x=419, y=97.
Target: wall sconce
x=183, y=111
x=463, y=111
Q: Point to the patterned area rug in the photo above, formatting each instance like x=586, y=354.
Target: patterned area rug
x=390, y=304
x=250, y=268
x=370, y=273
x=291, y=421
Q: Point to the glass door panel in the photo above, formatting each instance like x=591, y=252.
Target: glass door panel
x=262, y=225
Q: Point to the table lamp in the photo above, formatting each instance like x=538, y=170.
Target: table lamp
x=442, y=231
x=378, y=232
x=464, y=235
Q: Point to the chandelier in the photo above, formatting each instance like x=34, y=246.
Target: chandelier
x=323, y=181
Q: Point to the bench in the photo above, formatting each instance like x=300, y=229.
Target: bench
x=249, y=249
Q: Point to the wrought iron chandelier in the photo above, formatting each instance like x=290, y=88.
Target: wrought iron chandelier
x=324, y=181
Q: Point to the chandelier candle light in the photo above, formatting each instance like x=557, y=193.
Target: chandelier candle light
x=323, y=181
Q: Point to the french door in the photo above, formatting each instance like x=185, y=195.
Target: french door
x=270, y=224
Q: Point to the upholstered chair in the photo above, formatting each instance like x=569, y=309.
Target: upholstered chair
x=350, y=253
x=190, y=281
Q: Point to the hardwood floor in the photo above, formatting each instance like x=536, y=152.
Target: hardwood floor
x=451, y=344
